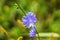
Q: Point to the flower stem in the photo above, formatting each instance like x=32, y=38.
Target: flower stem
x=19, y=6
x=37, y=34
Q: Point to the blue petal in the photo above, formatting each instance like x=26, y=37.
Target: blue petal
x=32, y=32
x=24, y=18
x=29, y=19
x=25, y=23
x=31, y=16
x=33, y=19
x=29, y=13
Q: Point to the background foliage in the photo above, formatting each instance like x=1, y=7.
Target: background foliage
x=47, y=13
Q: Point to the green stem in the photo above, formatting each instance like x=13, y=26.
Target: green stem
x=37, y=34
x=19, y=6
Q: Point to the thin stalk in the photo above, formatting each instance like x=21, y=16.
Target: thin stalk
x=19, y=6
x=37, y=34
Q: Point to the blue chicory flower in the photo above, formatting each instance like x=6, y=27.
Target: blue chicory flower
x=29, y=19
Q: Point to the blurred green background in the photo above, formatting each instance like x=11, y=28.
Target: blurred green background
x=47, y=13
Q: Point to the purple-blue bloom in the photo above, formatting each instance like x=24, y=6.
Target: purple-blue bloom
x=32, y=32
x=29, y=19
